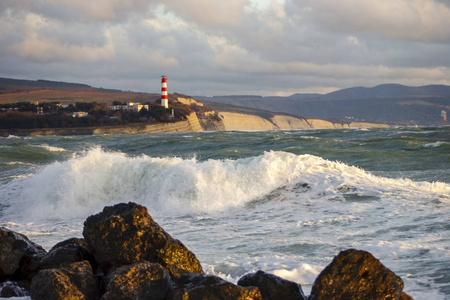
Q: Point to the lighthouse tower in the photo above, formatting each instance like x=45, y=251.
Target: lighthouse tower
x=164, y=98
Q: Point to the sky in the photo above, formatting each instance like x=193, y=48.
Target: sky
x=233, y=47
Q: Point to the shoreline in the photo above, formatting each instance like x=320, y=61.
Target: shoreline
x=229, y=122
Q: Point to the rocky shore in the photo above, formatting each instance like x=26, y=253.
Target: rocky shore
x=125, y=254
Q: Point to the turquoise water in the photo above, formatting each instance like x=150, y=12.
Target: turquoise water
x=282, y=201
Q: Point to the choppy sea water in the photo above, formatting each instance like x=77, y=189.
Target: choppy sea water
x=285, y=202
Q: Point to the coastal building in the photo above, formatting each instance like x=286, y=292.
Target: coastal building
x=164, y=97
x=79, y=114
x=131, y=106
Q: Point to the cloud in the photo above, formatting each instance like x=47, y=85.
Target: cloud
x=416, y=20
x=211, y=14
x=224, y=47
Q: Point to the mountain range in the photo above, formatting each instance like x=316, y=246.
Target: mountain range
x=393, y=104
x=383, y=90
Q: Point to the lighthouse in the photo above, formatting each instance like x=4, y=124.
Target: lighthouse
x=164, y=98
x=444, y=115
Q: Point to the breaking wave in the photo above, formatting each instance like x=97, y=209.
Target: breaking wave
x=85, y=183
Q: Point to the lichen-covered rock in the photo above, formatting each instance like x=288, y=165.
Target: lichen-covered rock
x=142, y=280
x=200, y=287
x=75, y=281
x=125, y=233
x=355, y=274
x=273, y=287
x=405, y=296
x=17, y=252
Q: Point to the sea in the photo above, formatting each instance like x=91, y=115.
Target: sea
x=285, y=202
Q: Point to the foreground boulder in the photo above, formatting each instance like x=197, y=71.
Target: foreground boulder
x=75, y=281
x=207, y=287
x=10, y=289
x=355, y=274
x=63, y=254
x=125, y=234
x=142, y=280
x=273, y=287
x=17, y=253
x=132, y=257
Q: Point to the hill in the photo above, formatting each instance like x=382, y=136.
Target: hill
x=389, y=90
x=388, y=103
x=17, y=90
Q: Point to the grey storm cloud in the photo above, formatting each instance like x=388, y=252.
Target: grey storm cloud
x=209, y=47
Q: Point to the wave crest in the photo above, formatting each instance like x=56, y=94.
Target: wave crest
x=87, y=182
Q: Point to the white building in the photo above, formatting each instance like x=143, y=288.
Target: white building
x=131, y=106
x=79, y=114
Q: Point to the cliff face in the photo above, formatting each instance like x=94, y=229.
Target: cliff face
x=191, y=124
x=229, y=122
x=237, y=121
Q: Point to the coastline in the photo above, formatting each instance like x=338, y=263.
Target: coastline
x=230, y=121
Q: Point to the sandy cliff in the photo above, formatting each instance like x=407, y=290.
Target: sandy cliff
x=237, y=121
x=367, y=125
x=191, y=124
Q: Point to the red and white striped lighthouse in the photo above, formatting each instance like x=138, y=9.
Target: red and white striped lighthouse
x=164, y=98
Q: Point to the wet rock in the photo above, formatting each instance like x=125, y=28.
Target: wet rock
x=142, y=280
x=17, y=252
x=200, y=287
x=344, y=188
x=273, y=287
x=65, y=253
x=125, y=233
x=355, y=274
x=10, y=289
x=301, y=188
x=75, y=281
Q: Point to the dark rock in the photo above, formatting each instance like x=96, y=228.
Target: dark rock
x=125, y=233
x=75, y=281
x=17, y=252
x=273, y=287
x=65, y=253
x=346, y=189
x=355, y=274
x=405, y=296
x=10, y=289
x=200, y=287
x=142, y=280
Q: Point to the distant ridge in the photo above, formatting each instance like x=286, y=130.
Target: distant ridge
x=389, y=90
x=393, y=104
x=379, y=91
x=41, y=83
x=11, y=84
x=299, y=96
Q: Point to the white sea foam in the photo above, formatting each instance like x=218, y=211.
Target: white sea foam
x=52, y=148
x=435, y=145
x=304, y=274
x=87, y=182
